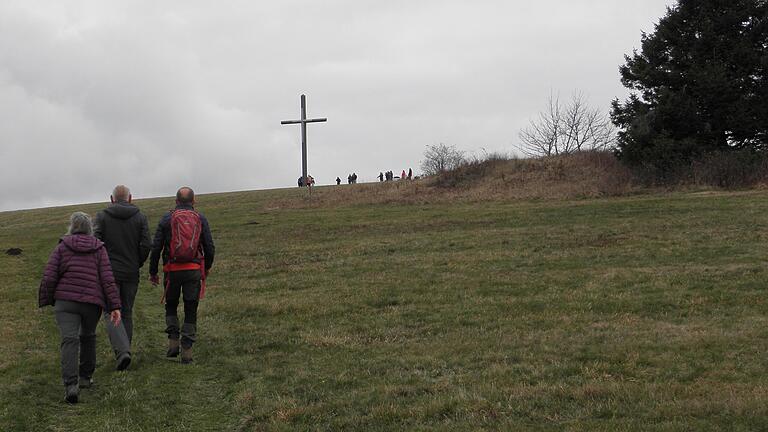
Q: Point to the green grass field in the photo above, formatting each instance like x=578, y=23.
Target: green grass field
x=638, y=313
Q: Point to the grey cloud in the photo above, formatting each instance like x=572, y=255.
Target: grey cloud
x=159, y=94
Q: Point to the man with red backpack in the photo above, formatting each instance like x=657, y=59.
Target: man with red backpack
x=184, y=240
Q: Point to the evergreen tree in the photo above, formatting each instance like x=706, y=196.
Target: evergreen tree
x=698, y=84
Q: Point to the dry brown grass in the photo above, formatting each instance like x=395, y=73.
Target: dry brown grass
x=591, y=174
x=583, y=175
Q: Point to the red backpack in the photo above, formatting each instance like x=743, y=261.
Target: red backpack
x=186, y=229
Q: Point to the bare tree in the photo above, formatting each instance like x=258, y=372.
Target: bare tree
x=440, y=158
x=565, y=129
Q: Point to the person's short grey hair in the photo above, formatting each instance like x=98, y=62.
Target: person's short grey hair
x=80, y=223
x=121, y=193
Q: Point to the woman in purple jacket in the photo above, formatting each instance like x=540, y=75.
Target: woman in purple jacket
x=78, y=282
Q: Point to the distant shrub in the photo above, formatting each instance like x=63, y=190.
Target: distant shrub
x=584, y=173
x=734, y=169
x=441, y=158
x=615, y=178
x=720, y=169
x=470, y=170
x=495, y=156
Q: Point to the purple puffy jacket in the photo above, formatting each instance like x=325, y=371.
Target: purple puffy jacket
x=79, y=270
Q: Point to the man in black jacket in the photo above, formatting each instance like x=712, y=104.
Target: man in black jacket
x=187, y=278
x=125, y=232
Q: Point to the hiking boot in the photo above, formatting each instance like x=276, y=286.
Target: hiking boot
x=173, y=348
x=85, y=382
x=186, y=355
x=123, y=361
x=71, y=393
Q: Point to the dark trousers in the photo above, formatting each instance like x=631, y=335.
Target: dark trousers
x=77, y=324
x=120, y=336
x=186, y=282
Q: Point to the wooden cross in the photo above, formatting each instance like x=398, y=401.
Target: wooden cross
x=304, y=120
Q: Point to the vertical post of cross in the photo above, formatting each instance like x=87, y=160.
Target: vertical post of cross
x=304, y=138
x=303, y=121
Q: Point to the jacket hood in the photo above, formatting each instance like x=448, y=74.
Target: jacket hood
x=82, y=243
x=122, y=210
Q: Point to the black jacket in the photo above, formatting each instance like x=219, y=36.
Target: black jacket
x=161, y=242
x=125, y=232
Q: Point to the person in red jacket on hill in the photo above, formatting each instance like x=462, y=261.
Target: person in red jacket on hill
x=183, y=239
x=78, y=282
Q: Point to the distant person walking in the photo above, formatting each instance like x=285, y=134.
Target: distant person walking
x=349, y=179
x=381, y=176
x=338, y=181
x=78, y=283
x=410, y=174
x=402, y=176
x=125, y=232
x=184, y=240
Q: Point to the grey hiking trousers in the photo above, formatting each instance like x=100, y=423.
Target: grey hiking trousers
x=120, y=336
x=77, y=324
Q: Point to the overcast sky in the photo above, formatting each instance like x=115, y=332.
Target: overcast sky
x=162, y=94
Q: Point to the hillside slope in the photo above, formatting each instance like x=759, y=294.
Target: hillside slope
x=632, y=313
x=578, y=176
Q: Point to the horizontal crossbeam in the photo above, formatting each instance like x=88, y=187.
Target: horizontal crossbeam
x=317, y=120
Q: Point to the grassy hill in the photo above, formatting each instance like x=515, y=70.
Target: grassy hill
x=396, y=307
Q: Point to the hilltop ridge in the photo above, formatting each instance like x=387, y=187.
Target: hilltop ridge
x=583, y=175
